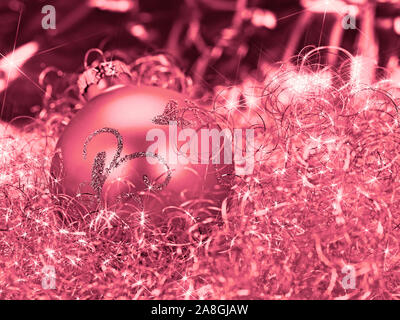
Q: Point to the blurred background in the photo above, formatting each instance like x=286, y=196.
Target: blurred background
x=216, y=42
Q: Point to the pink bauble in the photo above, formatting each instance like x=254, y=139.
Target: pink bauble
x=122, y=117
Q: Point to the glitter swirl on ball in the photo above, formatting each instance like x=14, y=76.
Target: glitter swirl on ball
x=100, y=172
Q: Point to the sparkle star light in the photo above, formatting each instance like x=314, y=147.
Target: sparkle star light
x=323, y=194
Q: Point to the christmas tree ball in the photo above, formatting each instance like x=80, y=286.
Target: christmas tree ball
x=125, y=141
